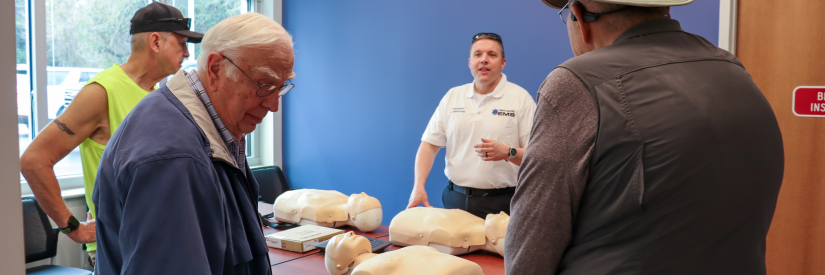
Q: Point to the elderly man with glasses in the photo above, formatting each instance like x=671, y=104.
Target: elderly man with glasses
x=652, y=152
x=484, y=125
x=174, y=193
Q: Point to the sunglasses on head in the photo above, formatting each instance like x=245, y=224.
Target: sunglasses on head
x=486, y=35
x=185, y=21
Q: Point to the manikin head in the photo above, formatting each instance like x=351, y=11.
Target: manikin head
x=159, y=36
x=342, y=250
x=495, y=229
x=245, y=63
x=486, y=59
x=365, y=211
x=595, y=24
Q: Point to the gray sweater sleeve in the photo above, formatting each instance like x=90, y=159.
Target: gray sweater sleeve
x=552, y=177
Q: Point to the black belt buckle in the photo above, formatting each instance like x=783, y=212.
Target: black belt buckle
x=473, y=192
x=468, y=191
x=460, y=189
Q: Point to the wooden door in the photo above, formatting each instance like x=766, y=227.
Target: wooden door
x=782, y=45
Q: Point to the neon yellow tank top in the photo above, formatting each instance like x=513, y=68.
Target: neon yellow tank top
x=123, y=94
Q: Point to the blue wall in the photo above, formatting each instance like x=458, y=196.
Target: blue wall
x=370, y=73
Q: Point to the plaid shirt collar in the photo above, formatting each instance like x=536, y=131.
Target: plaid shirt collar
x=237, y=148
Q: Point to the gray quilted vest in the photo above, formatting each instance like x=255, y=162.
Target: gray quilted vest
x=687, y=164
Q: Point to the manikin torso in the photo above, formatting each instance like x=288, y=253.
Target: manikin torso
x=329, y=209
x=352, y=254
x=450, y=231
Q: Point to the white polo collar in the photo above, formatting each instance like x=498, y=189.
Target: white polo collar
x=498, y=92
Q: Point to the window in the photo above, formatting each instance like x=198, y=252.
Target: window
x=57, y=77
x=205, y=14
x=80, y=39
x=85, y=76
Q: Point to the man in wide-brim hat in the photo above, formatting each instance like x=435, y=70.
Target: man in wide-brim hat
x=652, y=152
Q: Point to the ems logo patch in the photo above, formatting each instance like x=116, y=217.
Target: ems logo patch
x=510, y=113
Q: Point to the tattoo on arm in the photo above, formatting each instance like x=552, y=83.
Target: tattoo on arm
x=62, y=126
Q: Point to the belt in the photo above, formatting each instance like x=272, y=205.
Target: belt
x=472, y=192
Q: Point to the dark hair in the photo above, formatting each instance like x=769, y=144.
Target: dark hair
x=491, y=36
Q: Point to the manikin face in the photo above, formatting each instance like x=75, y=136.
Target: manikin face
x=172, y=51
x=362, y=202
x=486, y=61
x=365, y=211
x=342, y=250
x=236, y=101
x=495, y=229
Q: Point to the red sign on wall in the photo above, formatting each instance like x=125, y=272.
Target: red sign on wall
x=809, y=101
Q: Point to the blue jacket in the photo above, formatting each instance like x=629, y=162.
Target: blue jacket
x=170, y=199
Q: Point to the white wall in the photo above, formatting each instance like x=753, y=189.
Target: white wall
x=12, y=255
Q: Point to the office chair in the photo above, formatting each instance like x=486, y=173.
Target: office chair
x=272, y=183
x=41, y=241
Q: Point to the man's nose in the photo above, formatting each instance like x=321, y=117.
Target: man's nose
x=271, y=102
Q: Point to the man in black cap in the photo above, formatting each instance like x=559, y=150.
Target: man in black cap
x=159, y=37
x=652, y=152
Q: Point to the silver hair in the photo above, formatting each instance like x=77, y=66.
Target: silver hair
x=234, y=34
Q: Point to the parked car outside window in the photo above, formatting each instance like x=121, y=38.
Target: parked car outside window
x=63, y=84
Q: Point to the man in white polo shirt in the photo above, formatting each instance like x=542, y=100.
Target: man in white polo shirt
x=485, y=126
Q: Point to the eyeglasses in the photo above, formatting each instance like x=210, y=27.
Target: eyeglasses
x=185, y=21
x=265, y=89
x=484, y=35
x=588, y=16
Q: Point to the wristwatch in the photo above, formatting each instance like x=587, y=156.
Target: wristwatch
x=513, y=153
x=73, y=223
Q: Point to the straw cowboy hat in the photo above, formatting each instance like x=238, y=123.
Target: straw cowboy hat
x=558, y=4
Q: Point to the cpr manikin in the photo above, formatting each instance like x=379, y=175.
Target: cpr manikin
x=328, y=209
x=451, y=231
x=352, y=254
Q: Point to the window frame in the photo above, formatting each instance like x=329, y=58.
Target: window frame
x=36, y=57
x=728, y=9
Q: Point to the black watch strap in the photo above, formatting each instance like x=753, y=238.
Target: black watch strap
x=72, y=225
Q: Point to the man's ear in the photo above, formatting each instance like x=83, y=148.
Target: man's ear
x=214, y=68
x=503, y=63
x=583, y=27
x=154, y=42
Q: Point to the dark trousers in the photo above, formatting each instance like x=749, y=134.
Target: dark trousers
x=479, y=202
